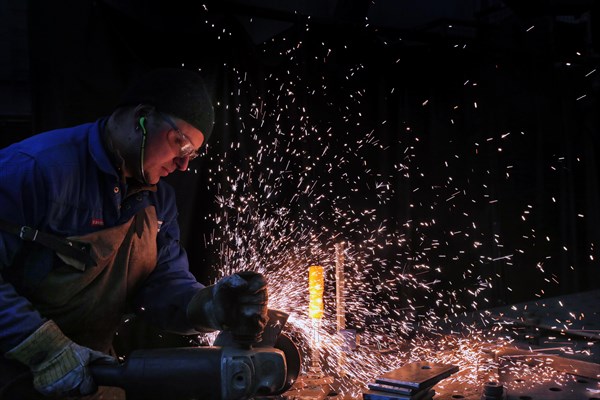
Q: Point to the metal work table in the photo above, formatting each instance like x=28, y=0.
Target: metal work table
x=554, y=353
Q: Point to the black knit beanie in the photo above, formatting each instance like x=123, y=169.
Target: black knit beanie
x=174, y=91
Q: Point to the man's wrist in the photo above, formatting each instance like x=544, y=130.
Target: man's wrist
x=42, y=344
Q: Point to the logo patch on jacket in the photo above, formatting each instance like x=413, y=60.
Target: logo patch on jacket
x=97, y=222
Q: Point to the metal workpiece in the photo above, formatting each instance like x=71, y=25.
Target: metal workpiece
x=417, y=375
x=411, y=381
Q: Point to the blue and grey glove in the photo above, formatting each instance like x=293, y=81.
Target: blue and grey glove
x=236, y=303
x=59, y=365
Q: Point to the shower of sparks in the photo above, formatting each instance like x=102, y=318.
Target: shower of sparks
x=306, y=172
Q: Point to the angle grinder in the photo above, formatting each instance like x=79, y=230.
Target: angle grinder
x=223, y=371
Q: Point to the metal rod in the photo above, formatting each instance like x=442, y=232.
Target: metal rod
x=340, y=287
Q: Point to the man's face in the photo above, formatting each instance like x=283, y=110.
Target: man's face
x=170, y=148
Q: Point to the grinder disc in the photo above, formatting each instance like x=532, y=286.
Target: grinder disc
x=293, y=360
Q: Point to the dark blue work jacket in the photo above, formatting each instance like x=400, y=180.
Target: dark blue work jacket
x=62, y=182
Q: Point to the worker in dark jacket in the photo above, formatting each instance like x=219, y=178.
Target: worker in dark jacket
x=88, y=232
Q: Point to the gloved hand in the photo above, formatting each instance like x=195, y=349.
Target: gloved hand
x=237, y=303
x=59, y=365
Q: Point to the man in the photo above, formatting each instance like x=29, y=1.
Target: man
x=89, y=232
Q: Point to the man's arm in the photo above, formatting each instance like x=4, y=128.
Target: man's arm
x=58, y=365
x=22, y=200
x=18, y=318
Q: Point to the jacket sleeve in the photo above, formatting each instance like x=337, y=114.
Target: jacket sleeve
x=163, y=299
x=22, y=201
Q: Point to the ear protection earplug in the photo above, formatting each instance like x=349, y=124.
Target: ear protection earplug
x=142, y=122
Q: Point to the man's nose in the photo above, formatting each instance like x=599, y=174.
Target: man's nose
x=182, y=163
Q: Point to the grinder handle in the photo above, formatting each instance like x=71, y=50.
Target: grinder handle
x=108, y=374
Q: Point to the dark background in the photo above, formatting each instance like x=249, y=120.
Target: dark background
x=492, y=105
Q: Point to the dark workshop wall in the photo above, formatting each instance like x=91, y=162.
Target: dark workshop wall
x=15, y=98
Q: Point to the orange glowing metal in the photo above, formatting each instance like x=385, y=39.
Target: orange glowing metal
x=316, y=284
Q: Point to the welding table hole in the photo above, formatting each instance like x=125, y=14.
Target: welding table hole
x=525, y=398
x=458, y=396
x=582, y=381
x=425, y=367
x=555, y=389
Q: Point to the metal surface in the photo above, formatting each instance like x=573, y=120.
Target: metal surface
x=559, y=334
x=570, y=366
x=520, y=386
x=493, y=391
x=544, y=360
x=576, y=315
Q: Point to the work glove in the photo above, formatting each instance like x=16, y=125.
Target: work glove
x=59, y=365
x=236, y=303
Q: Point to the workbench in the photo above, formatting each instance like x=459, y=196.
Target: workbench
x=551, y=351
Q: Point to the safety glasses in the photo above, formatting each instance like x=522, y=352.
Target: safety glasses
x=186, y=148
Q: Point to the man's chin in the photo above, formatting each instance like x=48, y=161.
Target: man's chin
x=152, y=179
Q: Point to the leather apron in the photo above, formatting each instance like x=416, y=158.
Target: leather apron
x=88, y=303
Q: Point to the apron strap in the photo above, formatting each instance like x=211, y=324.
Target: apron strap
x=76, y=250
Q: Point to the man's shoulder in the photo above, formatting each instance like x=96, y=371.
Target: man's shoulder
x=55, y=147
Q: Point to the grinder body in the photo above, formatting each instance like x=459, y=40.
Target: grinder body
x=226, y=373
